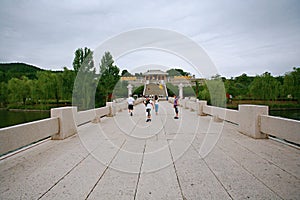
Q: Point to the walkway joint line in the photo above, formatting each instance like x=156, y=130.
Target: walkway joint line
x=140, y=170
x=105, y=170
x=212, y=172
x=271, y=162
x=242, y=166
x=64, y=176
x=178, y=181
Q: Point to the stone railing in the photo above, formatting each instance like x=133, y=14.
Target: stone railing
x=287, y=129
x=62, y=124
x=115, y=107
x=252, y=120
x=14, y=137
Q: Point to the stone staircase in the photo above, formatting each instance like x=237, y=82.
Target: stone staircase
x=155, y=89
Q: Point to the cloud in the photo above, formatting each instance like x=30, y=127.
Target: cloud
x=239, y=36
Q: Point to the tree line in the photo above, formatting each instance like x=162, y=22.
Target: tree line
x=22, y=85
x=261, y=87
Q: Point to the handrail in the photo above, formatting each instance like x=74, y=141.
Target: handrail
x=279, y=127
x=15, y=137
x=257, y=123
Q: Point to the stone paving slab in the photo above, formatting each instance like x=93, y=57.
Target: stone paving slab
x=36, y=171
x=196, y=178
x=237, y=181
x=127, y=158
x=266, y=172
x=158, y=179
x=122, y=175
x=280, y=154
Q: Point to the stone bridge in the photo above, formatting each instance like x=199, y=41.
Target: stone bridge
x=123, y=157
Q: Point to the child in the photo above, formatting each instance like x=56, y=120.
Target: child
x=149, y=105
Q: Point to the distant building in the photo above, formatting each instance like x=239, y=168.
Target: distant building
x=161, y=77
x=155, y=75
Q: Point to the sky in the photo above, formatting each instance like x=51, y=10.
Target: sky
x=239, y=36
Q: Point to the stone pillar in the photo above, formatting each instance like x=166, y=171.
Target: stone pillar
x=112, y=109
x=129, y=87
x=249, y=120
x=201, y=106
x=67, y=124
x=180, y=86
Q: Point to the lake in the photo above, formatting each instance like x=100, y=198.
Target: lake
x=291, y=114
x=10, y=118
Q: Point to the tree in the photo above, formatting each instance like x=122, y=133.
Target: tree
x=196, y=88
x=86, y=81
x=68, y=77
x=177, y=72
x=291, y=84
x=204, y=93
x=120, y=89
x=81, y=56
x=35, y=90
x=49, y=85
x=172, y=89
x=3, y=94
x=138, y=74
x=216, y=89
x=109, y=76
x=19, y=90
x=241, y=85
x=139, y=90
x=188, y=92
x=125, y=72
x=265, y=87
x=230, y=87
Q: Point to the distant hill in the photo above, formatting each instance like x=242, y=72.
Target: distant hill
x=18, y=67
x=17, y=70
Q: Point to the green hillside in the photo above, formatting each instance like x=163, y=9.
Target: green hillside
x=11, y=70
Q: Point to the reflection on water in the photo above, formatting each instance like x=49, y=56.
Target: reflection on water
x=10, y=118
x=291, y=114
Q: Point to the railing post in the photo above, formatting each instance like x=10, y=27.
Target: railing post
x=67, y=125
x=249, y=120
x=201, y=107
x=112, y=110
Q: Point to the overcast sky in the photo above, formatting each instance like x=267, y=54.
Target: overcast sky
x=242, y=36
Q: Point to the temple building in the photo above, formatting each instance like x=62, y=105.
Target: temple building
x=155, y=75
x=155, y=82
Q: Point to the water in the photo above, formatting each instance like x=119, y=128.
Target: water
x=290, y=114
x=10, y=118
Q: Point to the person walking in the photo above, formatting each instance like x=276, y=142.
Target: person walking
x=156, y=100
x=149, y=105
x=130, y=101
x=176, y=104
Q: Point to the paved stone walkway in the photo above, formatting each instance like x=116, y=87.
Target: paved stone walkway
x=126, y=158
